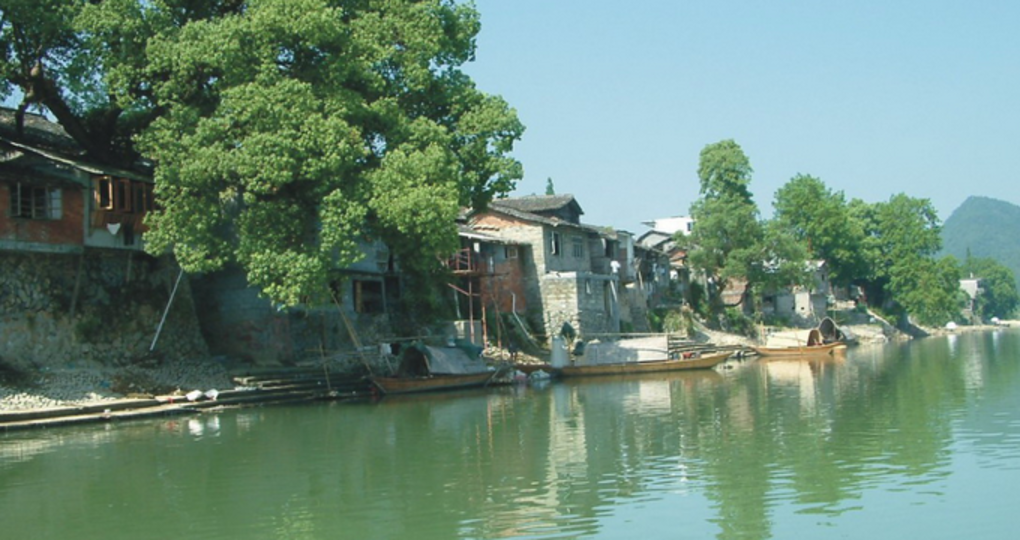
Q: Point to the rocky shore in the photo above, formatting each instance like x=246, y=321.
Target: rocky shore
x=90, y=382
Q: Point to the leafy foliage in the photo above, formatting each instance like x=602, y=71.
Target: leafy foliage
x=727, y=232
x=903, y=239
x=283, y=131
x=998, y=296
x=729, y=242
x=821, y=218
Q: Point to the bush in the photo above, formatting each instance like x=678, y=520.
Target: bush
x=735, y=321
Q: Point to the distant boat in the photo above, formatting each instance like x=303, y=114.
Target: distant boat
x=704, y=361
x=801, y=350
x=826, y=339
x=424, y=368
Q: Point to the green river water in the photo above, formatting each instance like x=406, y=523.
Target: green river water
x=920, y=439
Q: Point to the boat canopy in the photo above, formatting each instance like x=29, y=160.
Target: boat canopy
x=425, y=359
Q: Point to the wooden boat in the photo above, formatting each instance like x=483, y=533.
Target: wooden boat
x=431, y=383
x=705, y=361
x=812, y=349
x=425, y=368
x=803, y=350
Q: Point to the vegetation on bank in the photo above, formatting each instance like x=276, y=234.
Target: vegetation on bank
x=282, y=133
x=888, y=249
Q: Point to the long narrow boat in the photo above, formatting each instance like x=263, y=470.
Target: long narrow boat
x=424, y=368
x=431, y=383
x=707, y=361
x=801, y=350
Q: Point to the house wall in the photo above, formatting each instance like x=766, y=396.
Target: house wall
x=634, y=309
x=505, y=285
x=566, y=260
x=584, y=300
x=59, y=310
x=532, y=264
x=64, y=235
x=239, y=323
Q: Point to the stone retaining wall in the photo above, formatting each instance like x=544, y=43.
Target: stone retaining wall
x=61, y=311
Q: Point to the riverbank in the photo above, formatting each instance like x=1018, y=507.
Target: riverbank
x=86, y=384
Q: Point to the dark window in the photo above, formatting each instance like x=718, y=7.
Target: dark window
x=143, y=197
x=578, y=246
x=610, y=248
x=122, y=195
x=32, y=202
x=554, y=244
x=104, y=193
x=368, y=296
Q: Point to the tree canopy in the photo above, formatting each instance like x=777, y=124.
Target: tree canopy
x=283, y=132
x=729, y=241
x=727, y=229
x=821, y=218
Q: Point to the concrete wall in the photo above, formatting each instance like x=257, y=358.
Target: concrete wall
x=62, y=310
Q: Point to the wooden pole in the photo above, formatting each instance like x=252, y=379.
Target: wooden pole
x=166, y=311
x=352, y=333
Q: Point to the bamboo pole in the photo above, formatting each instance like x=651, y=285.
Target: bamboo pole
x=352, y=333
x=166, y=311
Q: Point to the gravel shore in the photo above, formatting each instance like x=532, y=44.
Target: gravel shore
x=80, y=384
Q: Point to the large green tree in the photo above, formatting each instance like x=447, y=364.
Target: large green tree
x=729, y=242
x=282, y=131
x=822, y=219
x=726, y=236
x=904, y=239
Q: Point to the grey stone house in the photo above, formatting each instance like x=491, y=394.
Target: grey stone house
x=572, y=273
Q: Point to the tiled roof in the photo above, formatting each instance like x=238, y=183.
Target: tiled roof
x=39, y=132
x=538, y=203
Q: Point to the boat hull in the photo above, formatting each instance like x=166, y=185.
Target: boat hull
x=804, y=350
x=655, y=366
x=433, y=383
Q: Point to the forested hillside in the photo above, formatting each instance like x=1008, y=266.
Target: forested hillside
x=987, y=228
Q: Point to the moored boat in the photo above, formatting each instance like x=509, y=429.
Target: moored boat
x=826, y=339
x=703, y=361
x=431, y=383
x=801, y=350
x=425, y=368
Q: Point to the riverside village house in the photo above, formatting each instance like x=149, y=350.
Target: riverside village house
x=72, y=270
x=571, y=272
x=56, y=202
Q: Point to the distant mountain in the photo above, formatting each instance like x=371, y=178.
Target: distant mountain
x=989, y=228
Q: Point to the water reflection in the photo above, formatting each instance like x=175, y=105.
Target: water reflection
x=884, y=441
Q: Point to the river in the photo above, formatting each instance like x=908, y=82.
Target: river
x=917, y=439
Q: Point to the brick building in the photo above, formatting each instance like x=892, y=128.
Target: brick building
x=571, y=273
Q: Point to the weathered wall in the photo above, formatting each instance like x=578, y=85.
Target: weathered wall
x=634, y=308
x=237, y=322
x=57, y=310
x=583, y=300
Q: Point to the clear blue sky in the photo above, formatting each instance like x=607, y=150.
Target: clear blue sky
x=872, y=97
